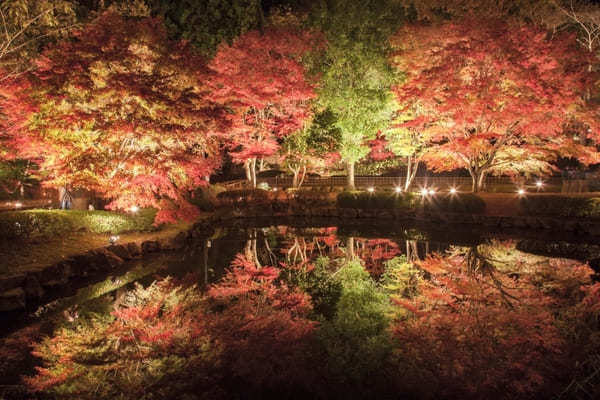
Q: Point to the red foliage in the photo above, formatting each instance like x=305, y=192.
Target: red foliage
x=494, y=97
x=483, y=332
x=378, y=148
x=125, y=112
x=260, y=76
x=263, y=326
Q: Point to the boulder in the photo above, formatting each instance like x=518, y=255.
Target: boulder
x=12, y=300
x=33, y=289
x=150, y=246
x=58, y=273
x=120, y=251
x=11, y=282
x=134, y=249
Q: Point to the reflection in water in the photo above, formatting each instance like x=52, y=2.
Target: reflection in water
x=305, y=314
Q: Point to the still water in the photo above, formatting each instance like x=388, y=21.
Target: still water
x=319, y=312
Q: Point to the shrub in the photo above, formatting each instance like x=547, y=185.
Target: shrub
x=205, y=198
x=455, y=203
x=561, y=206
x=312, y=198
x=243, y=197
x=377, y=200
x=46, y=223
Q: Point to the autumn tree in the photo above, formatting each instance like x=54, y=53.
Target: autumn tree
x=313, y=147
x=125, y=112
x=495, y=97
x=355, y=73
x=261, y=78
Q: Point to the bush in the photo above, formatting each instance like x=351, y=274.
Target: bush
x=205, y=198
x=243, y=197
x=312, y=198
x=561, y=206
x=455, y=203
x=377, y=200
x=46, y=223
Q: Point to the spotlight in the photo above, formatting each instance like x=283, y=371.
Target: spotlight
x=453, y=190
x=371, y=189
x=521, y=192
x=18, y=204
x=398, y=189
x=134, y=209
x=431, y=191
x=539, y=184
x=424, y=192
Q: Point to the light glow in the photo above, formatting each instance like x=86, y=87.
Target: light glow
x=371, y=189
x=424, y=192
x=431, y=191
x=453, y=190
x=135, y=209
x=539, y=184
x=398, y=189
x=18, y=204
x=521, y=192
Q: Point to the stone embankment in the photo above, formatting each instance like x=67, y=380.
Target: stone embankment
x=22, y=290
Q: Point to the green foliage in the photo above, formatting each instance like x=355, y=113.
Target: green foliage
x=377, y=200
x=355, y=74
x=46, y=223
x=355, y=340
x=561, y=206
x=207, y=23
x=455, y=203
x=401, y=278
x=324, y=290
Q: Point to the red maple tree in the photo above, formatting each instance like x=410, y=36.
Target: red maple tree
x=124, y=111
x=261, y=78
x=494, y=97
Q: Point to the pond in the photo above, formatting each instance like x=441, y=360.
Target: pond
x=295, y=311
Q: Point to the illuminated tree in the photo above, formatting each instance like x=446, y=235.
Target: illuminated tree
x=355, y=74
x=312, y=148
x=494, y=98
x=123, y=111
x=261, y=78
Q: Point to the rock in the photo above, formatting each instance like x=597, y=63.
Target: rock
x=12, y=300
x=58, y=273
x=120, y=251
x=134, y=249
x=32, y=287
x=150, y=246
x=11, y=282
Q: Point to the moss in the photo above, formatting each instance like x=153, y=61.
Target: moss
x=47, y=223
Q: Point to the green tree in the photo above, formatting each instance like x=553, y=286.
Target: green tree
x=355, y=73
x=314, y=147
x=206, y=23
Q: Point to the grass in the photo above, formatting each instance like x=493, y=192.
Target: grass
x=48, y=236
x=29, y=224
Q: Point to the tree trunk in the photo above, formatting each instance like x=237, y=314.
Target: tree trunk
x=253, y=173
x=411, y=172
x=247, y=170
x=350, y=176
x=478, y=178
x=295, y=179
x=349, y=248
